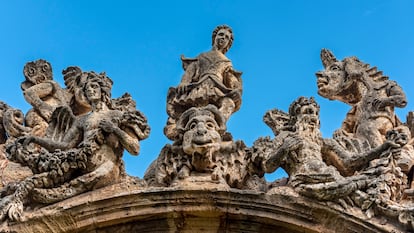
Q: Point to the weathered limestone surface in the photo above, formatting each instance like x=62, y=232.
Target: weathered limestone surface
x=68, y=154
x=127, y=207
x=62, y=170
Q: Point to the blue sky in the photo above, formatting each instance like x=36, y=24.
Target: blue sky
x=139, y=43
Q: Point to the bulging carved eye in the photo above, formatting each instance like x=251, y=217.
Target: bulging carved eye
x=335, y=68
x=210, y=125
x=45, y=67
x=193, y=125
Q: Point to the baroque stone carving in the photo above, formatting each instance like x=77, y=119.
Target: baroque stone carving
x=208, y=79
x=373, y=98
x=73, y=138
x=367, y=165
x=204, y=152
x=77, y=153
x=198, y=109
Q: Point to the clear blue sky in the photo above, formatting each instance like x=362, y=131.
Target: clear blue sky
x=138, y=45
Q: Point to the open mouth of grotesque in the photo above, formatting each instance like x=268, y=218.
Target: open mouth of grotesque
x=202, y=140
x=322, y=82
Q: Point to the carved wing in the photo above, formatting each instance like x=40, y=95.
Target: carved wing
x=277, y=120
x=72, y=77
x=62, y=121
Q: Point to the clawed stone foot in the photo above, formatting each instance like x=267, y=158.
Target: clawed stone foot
x=11, y=208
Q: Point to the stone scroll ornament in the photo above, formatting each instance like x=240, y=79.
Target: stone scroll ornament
x=198, y=109
x=82, y=145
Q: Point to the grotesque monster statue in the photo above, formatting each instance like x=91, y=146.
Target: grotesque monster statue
x=371, y=95
x=204, y=152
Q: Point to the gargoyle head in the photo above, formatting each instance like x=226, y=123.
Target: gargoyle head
x=201, y=129
x=341, y=80
x=36, y=72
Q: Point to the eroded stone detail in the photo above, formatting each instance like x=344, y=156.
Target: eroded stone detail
x=73, y=138
x=367, y=165
x=208, y=79
x=77, y=153
x=372, y=97
x=198, y=109
x=204, y=150
x=298, y=150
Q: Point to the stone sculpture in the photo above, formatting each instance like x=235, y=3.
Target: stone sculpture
x=73, y=139
x=368, y=163
x=77, y=153
x=203, y=152
x=198, y=109
x=372, y=96
x=42, y=93
x=208, y=79
x=298, y=146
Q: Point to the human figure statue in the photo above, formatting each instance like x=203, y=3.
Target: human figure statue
x=298, y=150
x=79, y=153
x=208, y=79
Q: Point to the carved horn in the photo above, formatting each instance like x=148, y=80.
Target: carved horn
x=327, y=57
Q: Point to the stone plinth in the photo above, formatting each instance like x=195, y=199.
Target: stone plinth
x=126, y=207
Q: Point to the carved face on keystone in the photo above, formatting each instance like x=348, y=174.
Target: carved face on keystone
x=201, y=129
x=201, y=135
x=37, y=71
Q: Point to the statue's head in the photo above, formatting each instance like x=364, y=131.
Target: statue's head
x=304, y=112
x=36, y=72
x=345, y=80
x=222, y=38
x=201, y=129
x=98, y=87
